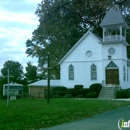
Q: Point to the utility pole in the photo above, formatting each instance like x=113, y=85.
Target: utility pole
x=48, y=80
x=8, y=89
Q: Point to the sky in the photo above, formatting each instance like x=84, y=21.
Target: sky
x=17, y=22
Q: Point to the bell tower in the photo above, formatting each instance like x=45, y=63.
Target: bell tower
x=114, y=26
x=114, y=47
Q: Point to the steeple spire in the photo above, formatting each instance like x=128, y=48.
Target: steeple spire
x=114, y=25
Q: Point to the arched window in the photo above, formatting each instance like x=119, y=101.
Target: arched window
x=93, y=72
x=124, y=74
x=71, y=72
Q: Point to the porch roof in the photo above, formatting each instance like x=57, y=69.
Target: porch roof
x=42, y=83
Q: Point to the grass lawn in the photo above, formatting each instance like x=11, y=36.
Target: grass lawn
x=25, y=114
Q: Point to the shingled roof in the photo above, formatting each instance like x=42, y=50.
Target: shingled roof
x=114, y=16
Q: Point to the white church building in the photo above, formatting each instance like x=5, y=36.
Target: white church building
x=99, y=60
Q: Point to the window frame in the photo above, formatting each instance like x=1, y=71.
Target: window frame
x=93, y=72
x=71, y=72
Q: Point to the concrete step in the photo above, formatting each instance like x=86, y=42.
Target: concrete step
x=107, y=93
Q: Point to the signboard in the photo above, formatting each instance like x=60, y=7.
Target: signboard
x=12, y=92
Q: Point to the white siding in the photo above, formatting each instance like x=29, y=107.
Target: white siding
x=79, y=53
x=82, y=74
x=82, y=63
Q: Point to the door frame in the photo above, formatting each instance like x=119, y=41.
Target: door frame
x=111, y=66
x=114, y=80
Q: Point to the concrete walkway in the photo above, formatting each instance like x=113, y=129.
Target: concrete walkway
x=105, y=121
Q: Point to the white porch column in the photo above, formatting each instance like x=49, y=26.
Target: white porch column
x=121, y=32
x=125, y=34
x=104, y=34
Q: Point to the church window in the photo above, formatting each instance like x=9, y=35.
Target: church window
x=124, y=74
x=71, y=72
x=93, y=72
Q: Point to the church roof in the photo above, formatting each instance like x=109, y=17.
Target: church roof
x=87, y=33
x=114, y=16
x=13, y=84
x=42, y=83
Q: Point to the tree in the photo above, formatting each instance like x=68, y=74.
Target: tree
x=31, y=72
x=15, y=69
x=62, y=23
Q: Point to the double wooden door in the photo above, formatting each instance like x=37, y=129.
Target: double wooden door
x=112, y=76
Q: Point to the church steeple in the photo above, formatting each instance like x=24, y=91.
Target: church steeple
x=114, y=25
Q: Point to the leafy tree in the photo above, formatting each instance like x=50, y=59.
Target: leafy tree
x=15, y=70
x=62, y=23
x=31, y=72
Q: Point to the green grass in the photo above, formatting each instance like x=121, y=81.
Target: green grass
x=25, y=114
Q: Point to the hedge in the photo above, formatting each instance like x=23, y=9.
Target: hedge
x=96, y=87
x=77, y=90
x=91, y=95
x=79, y=87
x=58, y=90
x=122, y=94
x=68, y=96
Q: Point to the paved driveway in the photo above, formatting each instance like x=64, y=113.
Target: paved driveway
x=105, y=121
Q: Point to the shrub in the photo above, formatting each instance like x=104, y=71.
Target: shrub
x=128, y=91
x=79, y=87
x=122, y=94
x=95, y=88
x=79, y=96
x=91, y=95
x=59, y=90
x=68, y=96
x=76, y=92
x=70, y=91
x=81, y=92
x=57, y=96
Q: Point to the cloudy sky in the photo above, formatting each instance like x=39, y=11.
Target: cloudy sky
x=17, y=22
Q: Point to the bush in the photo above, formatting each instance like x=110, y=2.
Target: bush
x=91, y=95
x=128, y=91
x=81, y=92
x=122, y=94
x=59, y=90
x=76, y=92
x=70, y=91
x=79, y=87
x=57, y=96
x=79, y=96
x=95, y=88
x=68, y=96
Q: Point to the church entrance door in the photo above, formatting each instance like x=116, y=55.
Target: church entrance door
x=112, y=76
